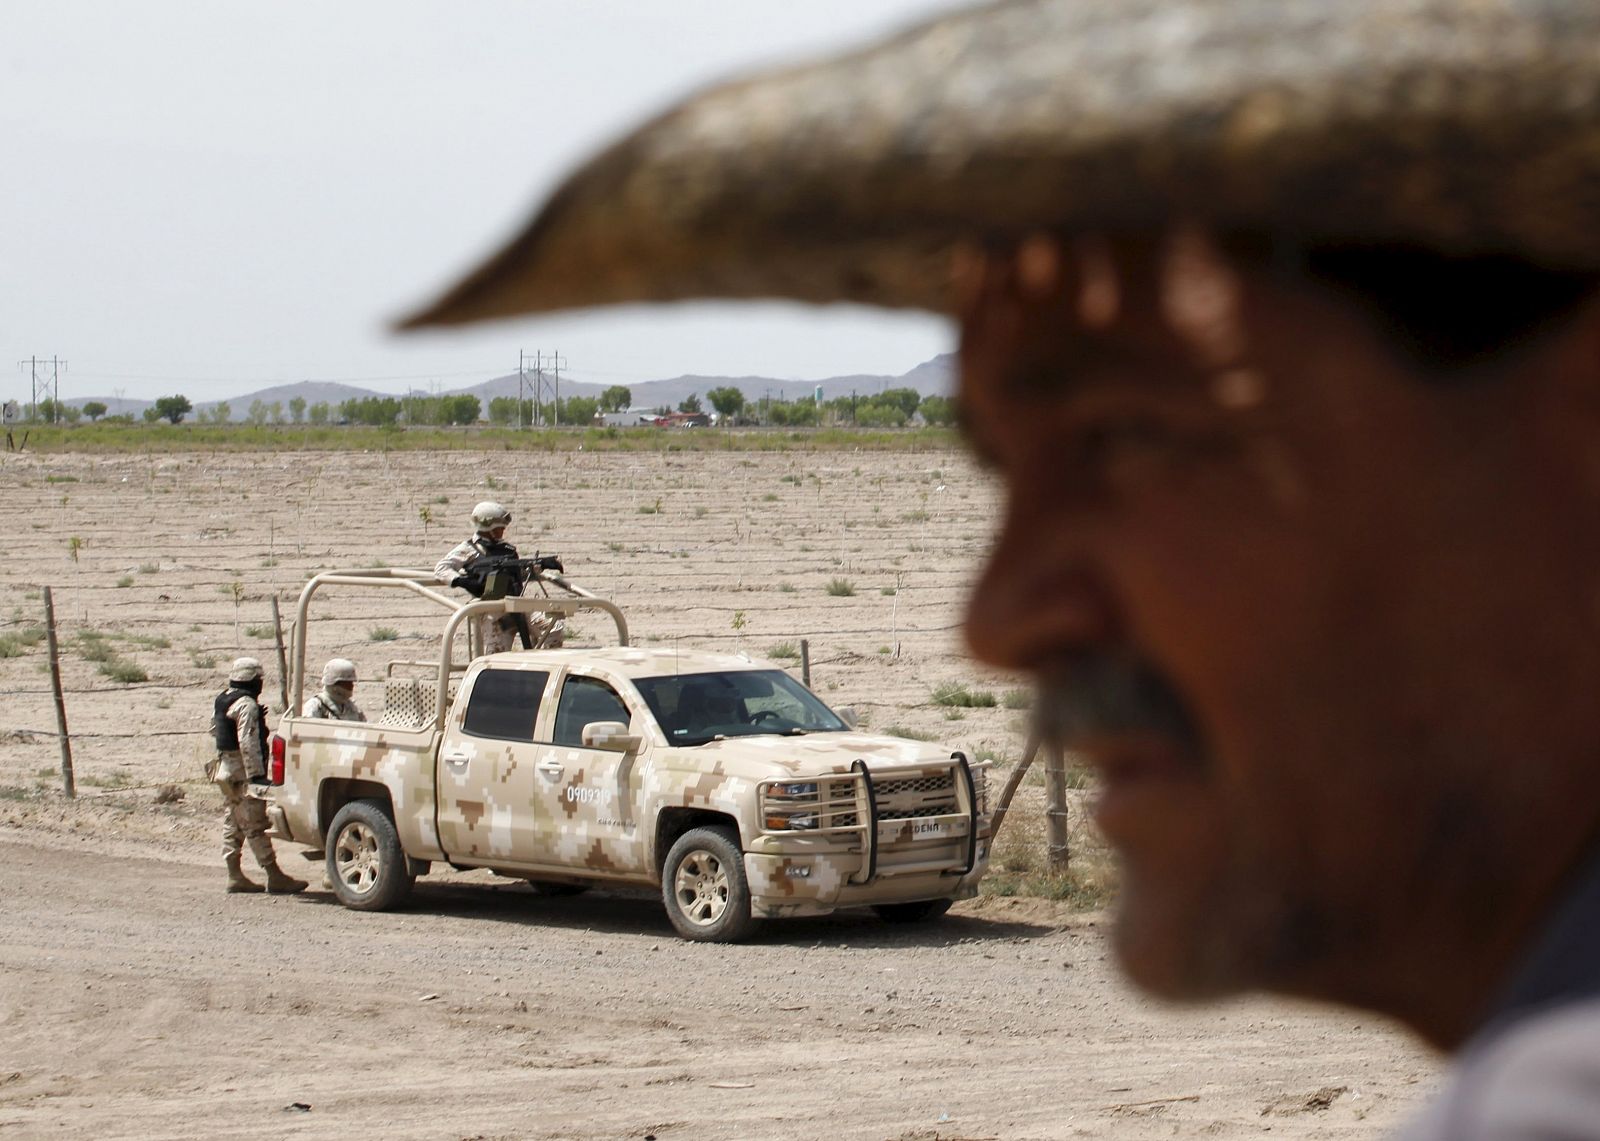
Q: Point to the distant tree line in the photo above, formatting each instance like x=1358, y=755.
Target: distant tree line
x=891, y=408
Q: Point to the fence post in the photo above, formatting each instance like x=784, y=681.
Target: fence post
x=283, y=658
x=805, y=662
x=69, y=786
x=1055, y=779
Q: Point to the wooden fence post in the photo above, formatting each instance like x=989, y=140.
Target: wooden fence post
x=1055, y=814
x=68, y=784
x=805, y=662
x=283, y=658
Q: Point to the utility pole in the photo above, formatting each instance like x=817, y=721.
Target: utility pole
x=555, y=359
x=45, y=386
x=522, y=383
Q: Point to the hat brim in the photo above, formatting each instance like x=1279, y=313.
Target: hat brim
x=1470, y=129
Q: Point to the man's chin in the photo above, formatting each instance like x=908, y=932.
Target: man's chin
x=1172, y=951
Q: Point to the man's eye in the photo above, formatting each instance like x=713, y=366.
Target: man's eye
x=1128, y=453
x=1107, y=439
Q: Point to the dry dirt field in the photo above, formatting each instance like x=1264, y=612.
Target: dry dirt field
x=139, y=1001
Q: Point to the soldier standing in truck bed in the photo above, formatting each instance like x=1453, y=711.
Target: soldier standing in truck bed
x=336, y=700
x=490, y=519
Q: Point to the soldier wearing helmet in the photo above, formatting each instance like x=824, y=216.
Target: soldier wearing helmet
x=239, y=728
x=337, y=698
x=489, y=520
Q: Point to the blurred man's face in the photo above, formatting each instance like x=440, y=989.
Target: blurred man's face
x=1262, y=575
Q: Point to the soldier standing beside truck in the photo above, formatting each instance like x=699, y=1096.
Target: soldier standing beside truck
x=239, y=728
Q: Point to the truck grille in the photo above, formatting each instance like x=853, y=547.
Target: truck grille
x=908, y=798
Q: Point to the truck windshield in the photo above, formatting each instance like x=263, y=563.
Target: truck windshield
x=695, y=708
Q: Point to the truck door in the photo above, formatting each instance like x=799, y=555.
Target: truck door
x=588, y=796
x=485, y=781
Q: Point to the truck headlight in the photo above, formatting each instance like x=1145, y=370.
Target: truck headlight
x=790, y=821
x=792, y=790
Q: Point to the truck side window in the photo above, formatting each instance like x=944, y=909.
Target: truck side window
x=583, y=700
x=504, y=704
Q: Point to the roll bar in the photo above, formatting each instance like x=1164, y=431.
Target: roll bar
x=423, y=582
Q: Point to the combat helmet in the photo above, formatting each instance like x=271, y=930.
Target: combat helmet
x=244, y=669
x=338, y=670
x=488, y=515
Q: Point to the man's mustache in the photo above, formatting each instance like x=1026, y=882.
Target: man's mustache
x=1102, y=695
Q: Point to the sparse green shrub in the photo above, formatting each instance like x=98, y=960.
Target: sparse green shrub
x=786, y=588
x=783, y=650
x=650, y=508
x=202, y=661
x=148, y=568
x=383, y=633
x=888, y=591
x=954, y=694
x=13, y=645
x=907, y=733
x=123, y=670
x=841, y=588
x=1017, y=698
x=258, y=631
x=92, y=645
x=125, y=580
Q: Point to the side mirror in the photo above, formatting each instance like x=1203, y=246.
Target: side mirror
x=612, y=736
x=847, y=714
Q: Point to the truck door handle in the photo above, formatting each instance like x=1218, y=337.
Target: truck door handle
x=458, y=758
x=551, y=766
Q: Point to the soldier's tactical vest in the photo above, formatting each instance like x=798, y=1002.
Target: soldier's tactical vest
x=223, y=731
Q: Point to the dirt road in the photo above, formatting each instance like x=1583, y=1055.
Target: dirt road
x=139, y=1001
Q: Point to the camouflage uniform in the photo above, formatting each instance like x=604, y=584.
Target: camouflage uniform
x=325, y=704
x=239, y=728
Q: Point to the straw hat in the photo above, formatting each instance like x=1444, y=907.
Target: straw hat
x=1464, y=126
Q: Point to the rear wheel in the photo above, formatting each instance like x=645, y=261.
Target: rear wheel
x=921, y=911
x=365, y=863
x=704, y=889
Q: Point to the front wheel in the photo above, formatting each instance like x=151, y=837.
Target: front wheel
x=365, y=863
x=704, y=888
x=921, y=911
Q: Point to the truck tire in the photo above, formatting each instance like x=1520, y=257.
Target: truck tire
x=704, y=888
x=920, y=911
x=366, y=865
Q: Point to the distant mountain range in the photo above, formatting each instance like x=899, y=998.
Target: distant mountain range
x=935, y=377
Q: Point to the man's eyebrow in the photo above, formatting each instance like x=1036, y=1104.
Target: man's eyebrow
x=1090, y=361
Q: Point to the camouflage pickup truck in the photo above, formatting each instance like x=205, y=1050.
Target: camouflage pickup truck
x=722, y=781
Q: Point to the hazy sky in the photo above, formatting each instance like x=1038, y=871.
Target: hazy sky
x=211, y=196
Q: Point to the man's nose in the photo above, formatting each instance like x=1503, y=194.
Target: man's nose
x=1040, y=598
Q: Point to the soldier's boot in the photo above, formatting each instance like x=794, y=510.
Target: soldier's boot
x=237, y=880
x=280, y=882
